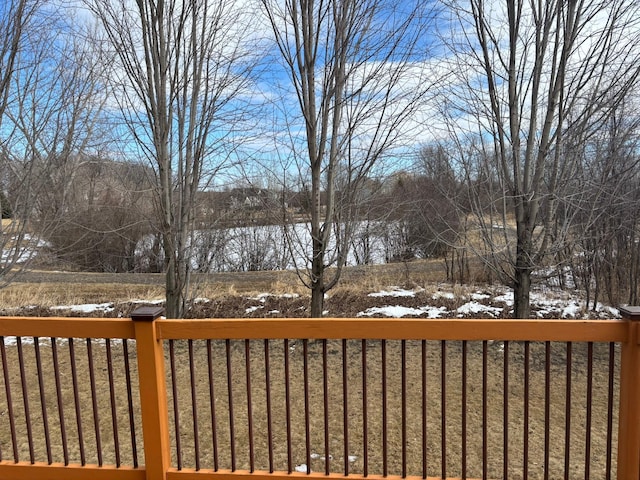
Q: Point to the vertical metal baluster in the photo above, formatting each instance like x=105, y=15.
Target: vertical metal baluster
x=194, y=405
x=94, y=400
x=247, y=355
x=43, y=401
x=287, y=405
x=587, y=454
x=365, y=412
x=385, y=469
x=485, y=424
x=112, y=399
x=525, y=461
x=567, y=438
x=403, y=401
x=7, y=389
x=505, y=412
x=232, y=432
x=25, y=399
x=325, y=401
x=267, y=370
x=443, y=406
x=464, y=409
x=132, y=424
x=610, y=398
x=307, y=413
x=56, y=374
x=212, y=400
x=176, y=410
x=345, y=406
x=1, y=456
x=76, y=397
x=424, y=409
x=547, y=407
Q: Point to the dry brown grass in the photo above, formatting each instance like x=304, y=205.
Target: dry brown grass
x=335, y=414
x=47, y=289
x=50, y=294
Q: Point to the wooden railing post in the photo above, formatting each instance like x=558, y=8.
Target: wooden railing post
x=629, y=416
x=153, y=393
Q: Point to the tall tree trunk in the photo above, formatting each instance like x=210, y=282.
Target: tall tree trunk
x=183, y=66
x=173, y=301
x=521, y=293
x=317, y=299
x=522, y=272
x=317, y=279
x=173, y=305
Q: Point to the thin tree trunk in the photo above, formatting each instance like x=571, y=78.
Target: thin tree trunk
x=522, y=273
x=317, y=282
x=172, y=288
x=521, y=293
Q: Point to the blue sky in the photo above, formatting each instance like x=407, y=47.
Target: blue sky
x=263, y=138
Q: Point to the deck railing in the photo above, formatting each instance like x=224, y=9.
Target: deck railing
x=365, y=398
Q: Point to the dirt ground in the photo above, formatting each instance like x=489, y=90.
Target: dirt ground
x=309, y=396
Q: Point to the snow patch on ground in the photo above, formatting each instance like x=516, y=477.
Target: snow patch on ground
x=399, y=311
x=474, y=308
x=445, y=295
x=506, y=298
x=493, y=302
x=86, y=308
x=480, y=296
x=262, y=297
x=573, y=310
x=148, y=302
x=395, y=292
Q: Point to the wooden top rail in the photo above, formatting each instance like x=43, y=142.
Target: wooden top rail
x=560, y=330
x=397, y=329
x=67, y=327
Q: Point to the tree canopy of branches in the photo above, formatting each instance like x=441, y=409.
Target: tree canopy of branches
x=526, y=74
x=351, y=66
x=51, y=100
x=15, y=19
x=434, y=205
x=106, y=222
x=182, y=66
x=605, y=259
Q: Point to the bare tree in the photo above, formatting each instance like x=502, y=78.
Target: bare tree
x=182, y=68
x=436, y=212
x=604, y=259
x=354, y=68
x=525, y=73
x=107, y=217
x=15, y=19
x=51, y=103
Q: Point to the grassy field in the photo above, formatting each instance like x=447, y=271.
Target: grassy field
x=50, y=288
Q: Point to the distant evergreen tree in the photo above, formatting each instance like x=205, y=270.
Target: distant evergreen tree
x=4, y=204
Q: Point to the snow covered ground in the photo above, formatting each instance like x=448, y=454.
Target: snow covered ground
x=397, y=302
x=548, y=303
x=444, y=301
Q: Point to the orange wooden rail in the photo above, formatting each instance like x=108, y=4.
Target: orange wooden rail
x=149, y=331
